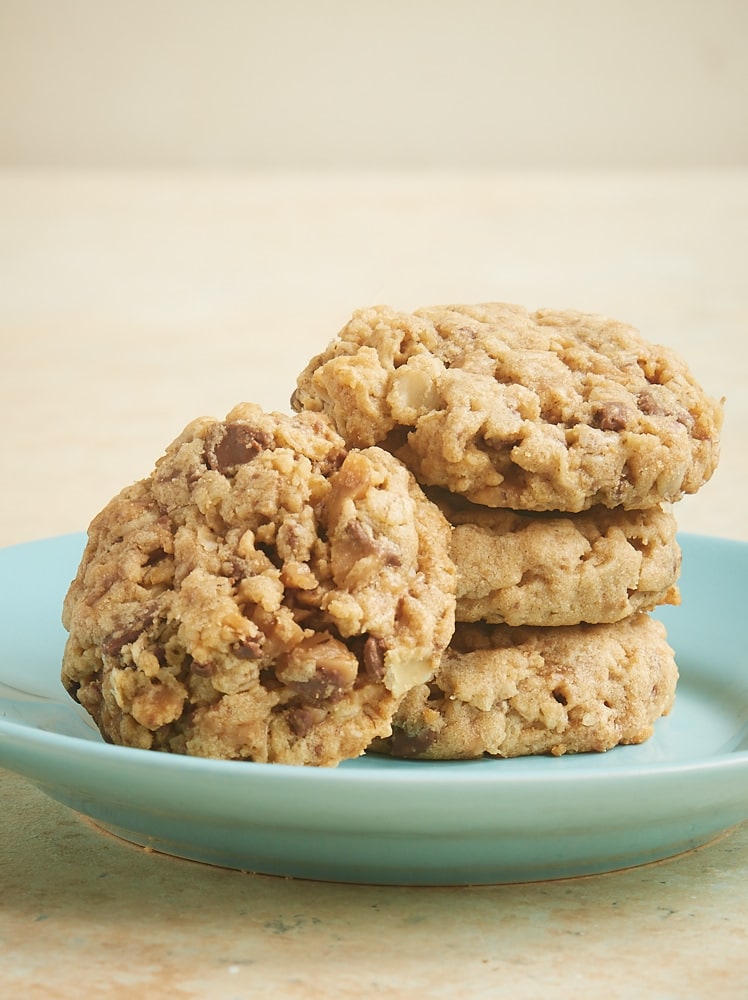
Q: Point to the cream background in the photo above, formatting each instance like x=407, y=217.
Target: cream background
x=583, y=154
x=392, y=84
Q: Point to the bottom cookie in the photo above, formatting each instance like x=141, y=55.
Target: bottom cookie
x=517, y=691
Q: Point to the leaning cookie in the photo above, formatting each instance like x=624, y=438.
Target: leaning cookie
x=517, y=692
x=600, y=565
x=265, y=594
x=530, y=411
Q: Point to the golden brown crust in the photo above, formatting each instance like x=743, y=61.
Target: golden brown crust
x=551, y=410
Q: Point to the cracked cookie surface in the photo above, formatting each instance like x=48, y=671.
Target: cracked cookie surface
x=596, y=566
x=266, y=594
x=549, y=410
x=510, y=692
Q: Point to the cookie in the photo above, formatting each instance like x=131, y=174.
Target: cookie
x=549, y=410
x=510, y=692
x=265, y=594
x=599, y=565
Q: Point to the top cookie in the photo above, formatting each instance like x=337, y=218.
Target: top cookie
x=264, y=594
x=549, y=410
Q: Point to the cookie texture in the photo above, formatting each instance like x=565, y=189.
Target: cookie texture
x=512, y=692
x=600, y=565
x=546, y=410
x=266, y=594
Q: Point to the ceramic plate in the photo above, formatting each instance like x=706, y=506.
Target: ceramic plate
x=382, y=821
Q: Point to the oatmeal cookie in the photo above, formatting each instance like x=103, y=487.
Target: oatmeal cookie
x=523, y=568
x=549, y=410
x=511, y=692
x=265, y=594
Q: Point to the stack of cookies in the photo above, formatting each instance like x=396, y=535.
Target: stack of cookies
x=451, y=549
x=554, y=443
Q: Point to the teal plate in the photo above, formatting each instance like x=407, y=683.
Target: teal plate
x=375, y=820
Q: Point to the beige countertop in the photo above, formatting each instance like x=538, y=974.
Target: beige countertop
x=130, y=303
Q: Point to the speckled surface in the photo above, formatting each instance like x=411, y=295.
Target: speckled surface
x=129, y=305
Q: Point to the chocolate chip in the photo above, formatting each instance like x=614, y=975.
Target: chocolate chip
x=332, y=462
x=238, y=444
x=269, y=681
x=373, y=657
x=248, y=649
x=364, y=543
x=325, y=685
x=303, y=719
x=611, y=416
x=113, y=643
x=155, y=557
x=405, y=744
x=649, y=404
